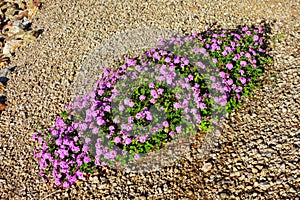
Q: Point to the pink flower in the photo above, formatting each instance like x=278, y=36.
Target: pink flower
x=212, y=78
x=66, y=184
x=131, y=104
x=149, y=116
x=137, y=157
x=243, y=80
x=177, y=105
x=176, y=60
x=57, y=182
x=142, y=139
x=79, y=174
x=245, y=28
x=255, y=37
x=201, y=105
x=165, y=124
x=152, y=101
x=154, y=93
x=229, y=66
x=117, y=140
x=86, y=159
x=160, y=91
x=172, y=133
x=178, y=129
x=128, y=141
x=151, y=85
x=95, y=130
x=222, y=74
x=167, y=59
x=243, y=63
x=142, y=97
x=229, y=82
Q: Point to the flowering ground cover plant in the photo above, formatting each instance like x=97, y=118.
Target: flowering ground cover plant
x=106, y=127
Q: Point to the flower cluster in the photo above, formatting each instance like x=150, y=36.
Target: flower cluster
x=174, y=89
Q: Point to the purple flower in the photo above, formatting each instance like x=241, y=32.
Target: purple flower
x=229, y=82
x=148, y=116
x=88, y=140
x=165, y=124
x=60, y=123
x=160, y=91
x=142, y=139
x=255, y=37
x=86, y=159
x=222, y=74
x=229, y=66
x=243, y=63
x=201, y=65
x=137, y=157
x=245, y=28
x=142, y=97
x=100, y=121
x=128, y=141
x=201, y=105
x=176, y=60
x=117, y=139
x=57, y=182
x=177, y=105
x=66, y=184
x=232, y=44
x=95, y=130
x=156, y=56
x=107, y=108
x=185, y=61
x=212, y=78
x=236, y=57
x=85, y=148
x=151, y=85
x=139, y=115
x=131, y=104
x=154, y=94
x=152, y=101
x=167, y=59
x=243, y=80
x=172, y=133
x=242, y=72
x=59, y=141
x=111, y=128
x=83, y=126
x=130, y=119
x=178, y=129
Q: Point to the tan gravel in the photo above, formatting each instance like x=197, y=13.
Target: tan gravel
x=257, y=155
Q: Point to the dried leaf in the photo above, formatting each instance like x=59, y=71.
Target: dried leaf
x=2, y=106
x=4, y=61
x=21, y=15
x=193, y=8
x=2, y=88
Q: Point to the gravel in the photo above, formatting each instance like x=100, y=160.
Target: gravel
x=257, y=154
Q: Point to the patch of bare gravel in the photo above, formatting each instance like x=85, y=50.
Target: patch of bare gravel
x=257, y=155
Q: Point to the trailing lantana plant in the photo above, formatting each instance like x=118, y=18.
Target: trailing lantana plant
x=87, y=136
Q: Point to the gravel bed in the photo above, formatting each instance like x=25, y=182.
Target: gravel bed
x=257, y=154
